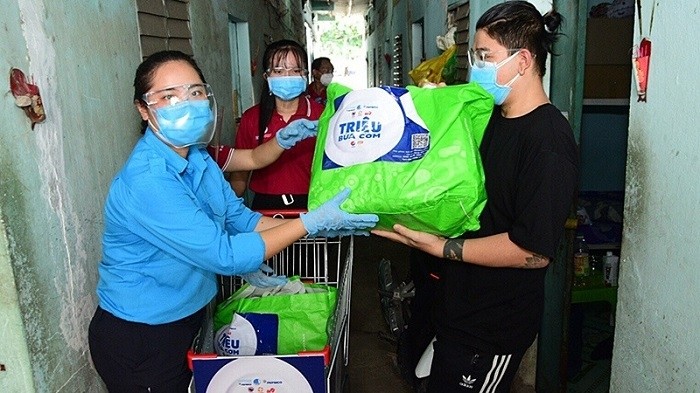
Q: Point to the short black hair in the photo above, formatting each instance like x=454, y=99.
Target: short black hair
x=316, y=64
x=518, y=24
x=143, y=80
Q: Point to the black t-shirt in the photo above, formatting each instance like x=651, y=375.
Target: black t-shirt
x=531, y=169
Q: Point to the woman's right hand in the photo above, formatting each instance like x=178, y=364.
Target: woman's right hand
x=328, y=220
x=264, y=277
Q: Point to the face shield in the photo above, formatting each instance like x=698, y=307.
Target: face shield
x=182, y=115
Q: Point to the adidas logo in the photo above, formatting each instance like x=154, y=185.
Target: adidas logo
x=467, y=382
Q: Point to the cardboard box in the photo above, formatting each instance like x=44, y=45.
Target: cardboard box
x=607, y=81
x=609, y=41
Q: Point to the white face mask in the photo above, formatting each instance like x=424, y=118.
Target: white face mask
x=326, y=79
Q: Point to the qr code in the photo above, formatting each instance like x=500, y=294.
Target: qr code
x=420, y=141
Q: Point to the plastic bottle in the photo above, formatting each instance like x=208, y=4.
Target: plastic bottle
x=582, y=265
x=610, y=268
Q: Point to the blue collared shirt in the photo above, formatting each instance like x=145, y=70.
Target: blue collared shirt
x=171, y=225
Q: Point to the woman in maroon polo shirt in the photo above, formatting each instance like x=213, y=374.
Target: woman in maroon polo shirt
x=285, y=183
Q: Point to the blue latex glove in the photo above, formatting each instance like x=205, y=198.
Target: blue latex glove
x=328, y=219
x=264, y=277
x=296, y=131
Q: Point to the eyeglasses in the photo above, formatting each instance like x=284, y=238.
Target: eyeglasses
x=176, y=94
x=479, y=57
x=281, y=71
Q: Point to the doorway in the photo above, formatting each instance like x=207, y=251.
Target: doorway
x=242, y=95
x=603, y=155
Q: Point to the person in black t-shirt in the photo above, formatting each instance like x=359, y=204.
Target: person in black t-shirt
x=490, y=296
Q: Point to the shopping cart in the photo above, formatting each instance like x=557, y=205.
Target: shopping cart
x=316, y=260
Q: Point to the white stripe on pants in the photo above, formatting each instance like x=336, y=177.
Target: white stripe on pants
x=495, y=374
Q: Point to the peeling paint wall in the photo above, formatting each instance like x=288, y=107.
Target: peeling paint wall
x=55, y=177
x=657, y=336
x=14, y=355
x=82, y=55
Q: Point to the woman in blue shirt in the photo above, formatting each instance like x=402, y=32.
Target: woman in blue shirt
x=172, y=223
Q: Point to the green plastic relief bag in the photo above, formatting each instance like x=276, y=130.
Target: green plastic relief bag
x=304, y=318
x=409, y=155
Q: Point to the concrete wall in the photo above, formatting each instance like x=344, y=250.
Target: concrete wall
x=657, y=334
x=55, y=177
x=54, y=180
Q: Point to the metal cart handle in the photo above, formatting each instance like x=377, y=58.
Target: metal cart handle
x=282, y=213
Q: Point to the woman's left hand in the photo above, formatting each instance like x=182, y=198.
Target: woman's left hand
x=296, y=131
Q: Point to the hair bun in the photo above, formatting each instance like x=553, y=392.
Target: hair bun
x=551, y=21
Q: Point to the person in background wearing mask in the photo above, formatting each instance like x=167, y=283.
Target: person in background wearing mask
x=322, y=74
x=172, y=223
x=489, y=299
x=285, y=183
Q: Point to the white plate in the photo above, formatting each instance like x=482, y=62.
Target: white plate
x=361, y=112
x=245, y=375
x=237, y=338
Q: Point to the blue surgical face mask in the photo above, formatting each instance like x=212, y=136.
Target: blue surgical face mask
x=186, y=123
x=486, y=76
x=287, y=88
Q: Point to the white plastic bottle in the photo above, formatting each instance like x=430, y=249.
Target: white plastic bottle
x=610, y=268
